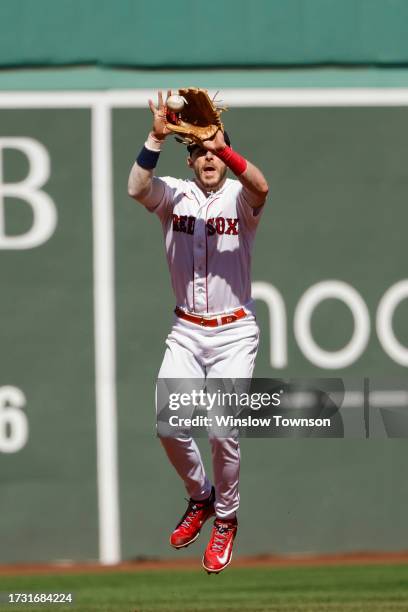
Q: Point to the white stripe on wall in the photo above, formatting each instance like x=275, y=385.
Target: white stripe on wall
x=266, y=97
x=104, y=321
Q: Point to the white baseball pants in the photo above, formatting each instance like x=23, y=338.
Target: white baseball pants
x=227, y=351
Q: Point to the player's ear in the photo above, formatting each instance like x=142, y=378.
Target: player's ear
x=189, y=162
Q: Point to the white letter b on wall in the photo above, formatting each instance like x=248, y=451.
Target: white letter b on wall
x=29, y=190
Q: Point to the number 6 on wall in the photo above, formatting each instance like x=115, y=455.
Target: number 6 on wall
x=13, y=421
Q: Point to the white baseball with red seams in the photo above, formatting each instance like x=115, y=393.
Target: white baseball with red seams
x=175, y=102
x=208, y=243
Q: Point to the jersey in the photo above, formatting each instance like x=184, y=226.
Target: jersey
x=208, y=242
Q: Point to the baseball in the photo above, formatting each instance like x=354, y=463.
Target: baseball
x=175, y=103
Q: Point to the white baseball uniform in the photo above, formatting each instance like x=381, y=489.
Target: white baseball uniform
x=208, y=242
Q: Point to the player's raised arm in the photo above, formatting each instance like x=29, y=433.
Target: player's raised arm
x=248, y=174
x=142, y=185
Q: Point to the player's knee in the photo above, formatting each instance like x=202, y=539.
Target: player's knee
x=227, y=446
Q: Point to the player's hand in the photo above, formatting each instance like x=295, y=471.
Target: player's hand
x=215, y=144
x=159, y=129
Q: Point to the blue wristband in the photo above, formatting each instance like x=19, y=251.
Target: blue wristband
x=148, y=159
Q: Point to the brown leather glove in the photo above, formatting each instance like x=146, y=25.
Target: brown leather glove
x=199, y=120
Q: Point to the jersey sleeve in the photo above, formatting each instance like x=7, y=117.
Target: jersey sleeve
x=162, y=197
x=250, y=216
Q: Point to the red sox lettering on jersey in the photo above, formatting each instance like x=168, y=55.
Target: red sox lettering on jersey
x=208, y=243
x=220, y=225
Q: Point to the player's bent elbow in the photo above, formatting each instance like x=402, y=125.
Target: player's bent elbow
x=133, y=193
x=264, y=188
x=137, y=194
x=262, y=191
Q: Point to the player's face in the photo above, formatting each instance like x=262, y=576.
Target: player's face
x=210, y=171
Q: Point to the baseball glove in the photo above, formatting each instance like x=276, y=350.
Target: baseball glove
x=198, y=120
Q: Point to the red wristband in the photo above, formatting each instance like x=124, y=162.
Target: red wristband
x=233, y=160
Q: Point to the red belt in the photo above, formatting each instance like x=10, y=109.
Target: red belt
x=214, y=321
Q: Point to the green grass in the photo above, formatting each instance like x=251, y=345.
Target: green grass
x=374, y=588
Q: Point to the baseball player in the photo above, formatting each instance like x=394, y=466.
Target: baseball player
x=209, y=225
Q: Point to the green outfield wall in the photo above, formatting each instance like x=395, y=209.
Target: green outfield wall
x=336, y=213
x=228, y=33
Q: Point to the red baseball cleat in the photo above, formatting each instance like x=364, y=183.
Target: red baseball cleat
x=218, y=553
x=189, y=527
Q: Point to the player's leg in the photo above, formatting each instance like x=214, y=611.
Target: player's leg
x=183, y=452
x=235, y=358
x=181, y=448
